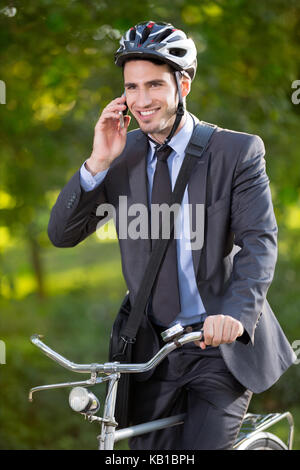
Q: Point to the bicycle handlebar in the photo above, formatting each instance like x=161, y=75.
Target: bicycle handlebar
x=113, y=367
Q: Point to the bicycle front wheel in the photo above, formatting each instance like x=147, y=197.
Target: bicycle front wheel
x=263, y=441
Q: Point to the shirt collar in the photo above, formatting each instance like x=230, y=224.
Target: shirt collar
x=180, y=140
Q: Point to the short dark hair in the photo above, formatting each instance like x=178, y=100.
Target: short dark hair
x=154, y=61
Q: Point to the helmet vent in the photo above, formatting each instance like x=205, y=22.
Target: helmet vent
x=163, y=35
x=132, y=34
x=177, y=52
x=145, y=34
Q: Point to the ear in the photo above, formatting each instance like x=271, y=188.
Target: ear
x=185, y=86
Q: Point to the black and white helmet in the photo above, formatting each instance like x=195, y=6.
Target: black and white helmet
x=159, y=41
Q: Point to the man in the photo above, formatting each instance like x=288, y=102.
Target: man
x=222, y=283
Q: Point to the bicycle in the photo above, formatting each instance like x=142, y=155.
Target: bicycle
x=252, y=435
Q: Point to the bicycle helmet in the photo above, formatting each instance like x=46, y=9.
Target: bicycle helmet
x=161, y=41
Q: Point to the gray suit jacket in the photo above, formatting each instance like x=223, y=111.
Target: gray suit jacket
x=235, y=266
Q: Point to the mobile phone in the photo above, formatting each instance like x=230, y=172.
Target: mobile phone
x=123, y=113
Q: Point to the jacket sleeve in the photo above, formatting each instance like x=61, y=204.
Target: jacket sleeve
x=73, y=217
x=254, y=226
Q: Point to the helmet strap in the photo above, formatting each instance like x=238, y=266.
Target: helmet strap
x=179, y=111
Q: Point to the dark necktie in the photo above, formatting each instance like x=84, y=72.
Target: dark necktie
x=165, y=294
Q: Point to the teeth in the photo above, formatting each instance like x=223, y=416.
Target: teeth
x=146, y=113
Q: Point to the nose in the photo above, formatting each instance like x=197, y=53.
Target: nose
x=143, y=98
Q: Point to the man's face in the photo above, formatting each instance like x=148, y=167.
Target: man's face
x=151, y=95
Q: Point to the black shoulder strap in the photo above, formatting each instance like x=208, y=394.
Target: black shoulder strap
x=196, y=147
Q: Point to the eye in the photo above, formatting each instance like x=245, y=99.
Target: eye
x=155, y=84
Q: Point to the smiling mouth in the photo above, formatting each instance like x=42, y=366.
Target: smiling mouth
x=148, y=113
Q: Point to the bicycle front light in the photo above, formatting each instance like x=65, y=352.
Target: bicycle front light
x=83, y=401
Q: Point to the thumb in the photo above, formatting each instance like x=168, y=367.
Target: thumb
x=241, y=329
x=123, y=131
x=127, y=120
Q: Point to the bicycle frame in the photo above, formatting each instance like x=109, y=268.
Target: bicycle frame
x=252, y=424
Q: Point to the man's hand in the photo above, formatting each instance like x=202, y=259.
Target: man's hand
x=219, y=329
x=109, y=137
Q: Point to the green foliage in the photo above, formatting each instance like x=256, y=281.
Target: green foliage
x=57, y=64
x=76, y=322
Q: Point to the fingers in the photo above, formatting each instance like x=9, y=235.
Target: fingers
x=118, y=104
x=115, y=108
x=110, y=134
x=110, y=115
x=112, y=111
x=227, y=331
x=219, y=329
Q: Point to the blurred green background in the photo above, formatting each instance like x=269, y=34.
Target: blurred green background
x=57, y=65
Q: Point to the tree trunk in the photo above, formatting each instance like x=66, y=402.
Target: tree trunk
x=37, y=265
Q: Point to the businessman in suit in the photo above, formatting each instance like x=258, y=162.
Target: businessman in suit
x=222, y=284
